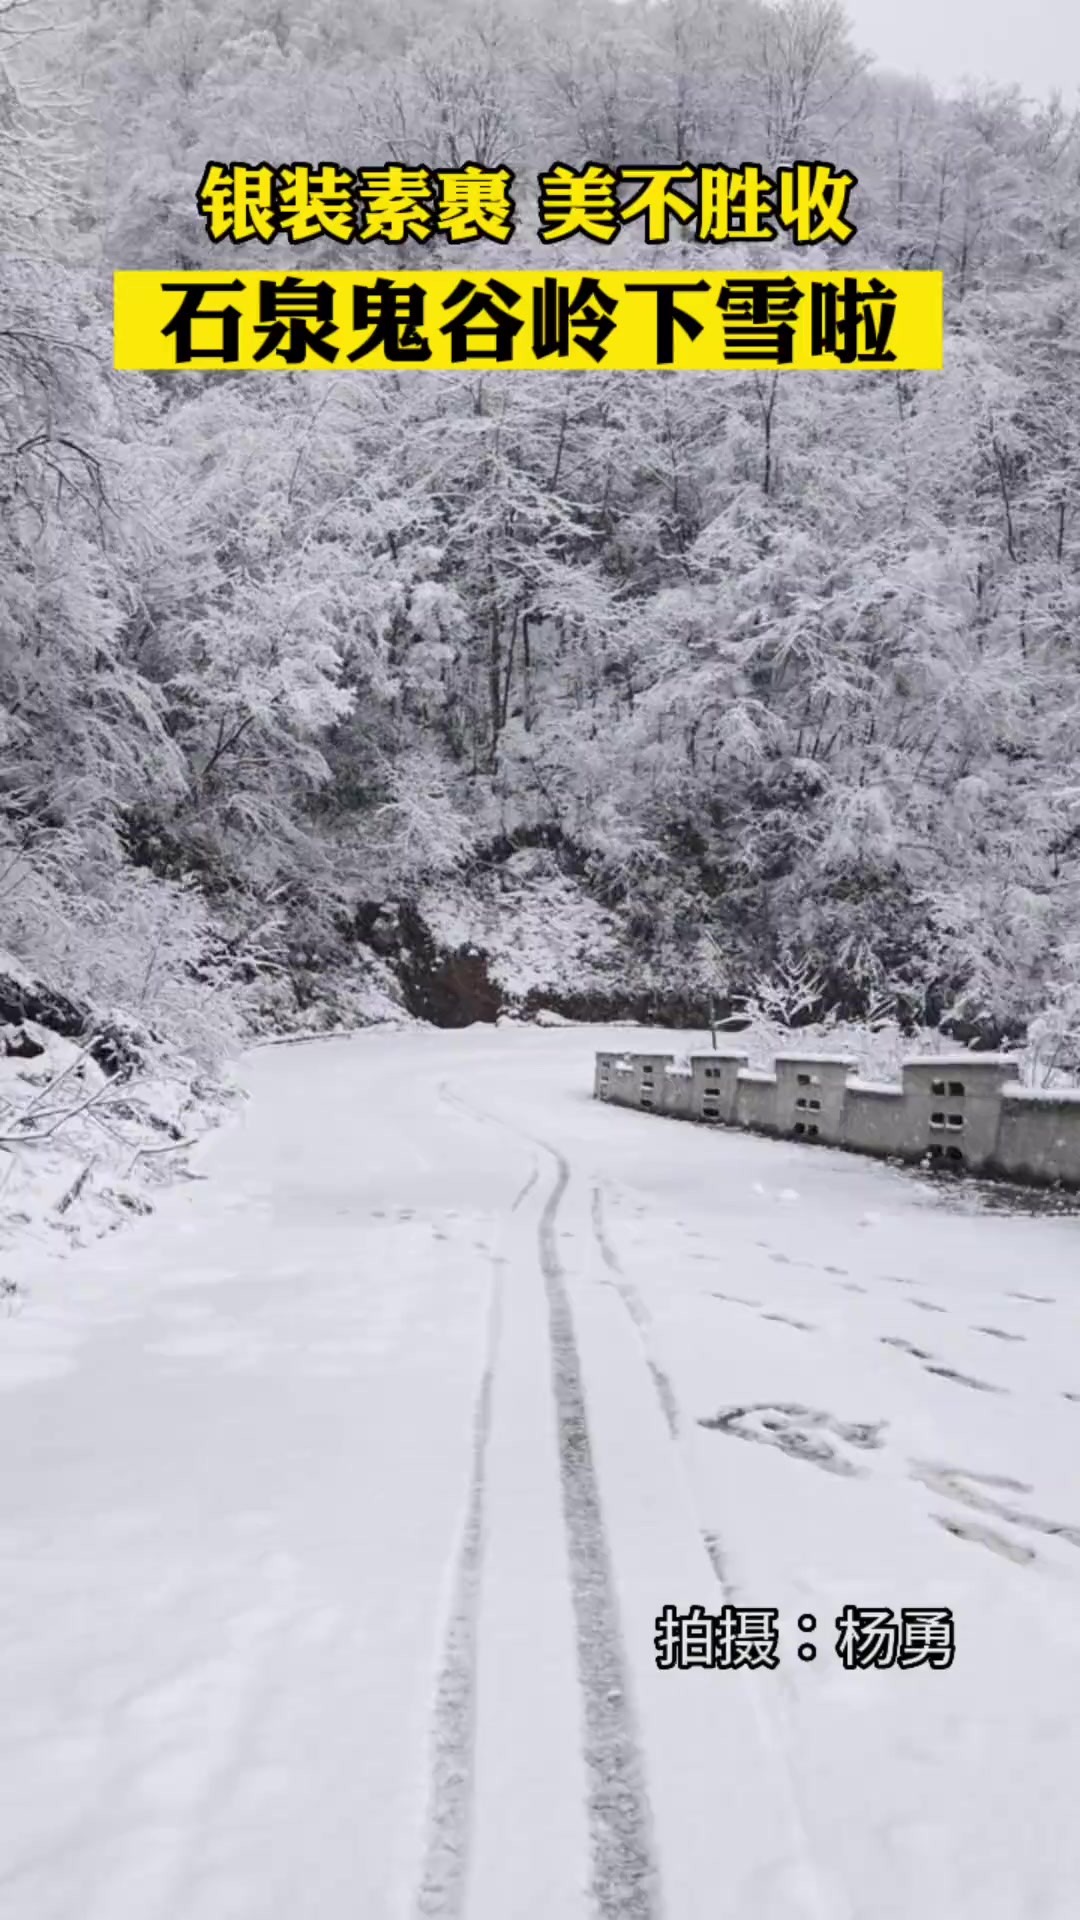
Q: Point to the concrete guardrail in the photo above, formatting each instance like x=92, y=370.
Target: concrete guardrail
x=963, y=1112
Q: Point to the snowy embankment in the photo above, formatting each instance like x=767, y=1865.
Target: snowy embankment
x=83, y=1149
x=352, y=1482
x=99, y=1114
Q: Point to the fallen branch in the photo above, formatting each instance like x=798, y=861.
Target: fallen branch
x=172, y=1146
x=39, y=1139
x=76, y=1187
x=71, y=1067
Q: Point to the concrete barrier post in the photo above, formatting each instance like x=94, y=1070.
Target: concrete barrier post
x=955, y=1107
x=810, y=1090
x=714, y=1085
x=651, y=1070
x=618, y=1079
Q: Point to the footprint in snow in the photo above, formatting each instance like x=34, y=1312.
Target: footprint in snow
x=966, y=1486
x=986, y=1537
x=999, y=1333
x=950, y=1480
x=805, y=1433
x=904, y=1346
x=965, y=1379
x=786, y=1320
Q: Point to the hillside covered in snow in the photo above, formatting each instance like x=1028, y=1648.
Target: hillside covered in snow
x=457, y=696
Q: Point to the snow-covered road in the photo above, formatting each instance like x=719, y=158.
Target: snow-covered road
x=341, y=1496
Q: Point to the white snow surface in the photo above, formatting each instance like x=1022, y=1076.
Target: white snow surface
x=341, y=1494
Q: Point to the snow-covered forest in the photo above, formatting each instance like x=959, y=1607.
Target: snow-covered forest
x=458, y=693
x=366, y=1503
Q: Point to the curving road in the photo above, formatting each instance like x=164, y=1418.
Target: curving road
x=341, y=1498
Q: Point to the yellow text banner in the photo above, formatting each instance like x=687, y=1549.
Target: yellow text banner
x=445, y=322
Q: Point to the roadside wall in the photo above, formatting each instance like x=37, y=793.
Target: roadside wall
x=959, y=1111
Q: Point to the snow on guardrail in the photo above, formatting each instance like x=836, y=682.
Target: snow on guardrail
x=959, y=1111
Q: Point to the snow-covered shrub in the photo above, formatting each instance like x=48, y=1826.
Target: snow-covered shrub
x=136, y=948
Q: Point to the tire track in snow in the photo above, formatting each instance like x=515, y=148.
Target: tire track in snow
x=639, y=1314
x=526, y=1189
x=625, y=1876
x=615, y=1892
x=444, y=1873
x=625, y=1880
x=771, y=1726
x=665, y=1392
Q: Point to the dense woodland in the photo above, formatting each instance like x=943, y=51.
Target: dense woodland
x=704, y=681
